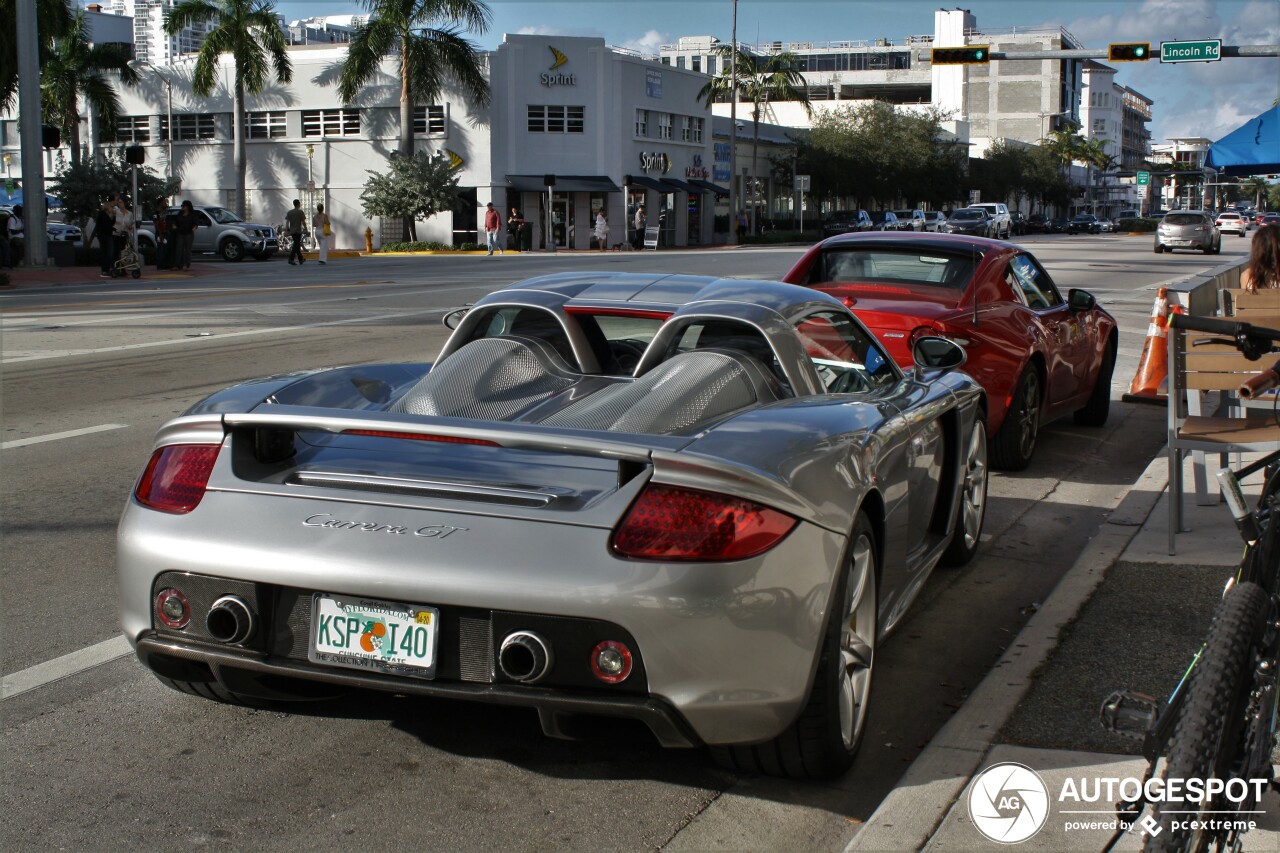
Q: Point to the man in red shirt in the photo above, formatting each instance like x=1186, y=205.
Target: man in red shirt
x=492, y=222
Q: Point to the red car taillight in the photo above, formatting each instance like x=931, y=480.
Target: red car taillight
x=176, y=476
x=673, y=523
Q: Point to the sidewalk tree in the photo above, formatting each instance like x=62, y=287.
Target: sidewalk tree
x=429, y=56
x=53, y=20
x=760, y=79
x=82, y=187
x=416, y=187
x=1256, y=189
x=249, y=32
x=77, y=68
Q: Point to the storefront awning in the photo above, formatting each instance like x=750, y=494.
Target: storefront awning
x=708, y=186
x=650, y=183
x=682, y=185
x=564, y=184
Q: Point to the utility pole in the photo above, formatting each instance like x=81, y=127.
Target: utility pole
x=733, y=130
x=33, y=211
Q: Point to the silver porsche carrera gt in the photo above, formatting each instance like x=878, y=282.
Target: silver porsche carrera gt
x=699, y=503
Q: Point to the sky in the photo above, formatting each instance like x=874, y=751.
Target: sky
x=1191, y=99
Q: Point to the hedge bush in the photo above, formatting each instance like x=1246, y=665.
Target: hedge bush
x=429, y=246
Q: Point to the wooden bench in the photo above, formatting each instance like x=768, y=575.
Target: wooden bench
x=1240, y=304
x=1230, y=429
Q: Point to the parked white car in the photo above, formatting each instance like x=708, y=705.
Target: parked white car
x=1001, y=221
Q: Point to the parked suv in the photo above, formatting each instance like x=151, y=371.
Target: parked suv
x=934, y=220
x=885, y=220
x=1188, y=229
x=1001, y=222
x=221, y=231
x=845, y=222
x=910, y=220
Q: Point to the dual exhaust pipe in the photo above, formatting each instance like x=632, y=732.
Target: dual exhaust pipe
x=525, y=657
x=231, y=620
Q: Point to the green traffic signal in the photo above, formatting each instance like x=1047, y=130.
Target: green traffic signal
x=974, y=54
x=1131, y=52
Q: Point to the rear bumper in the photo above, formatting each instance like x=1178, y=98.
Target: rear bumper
x=255, y=675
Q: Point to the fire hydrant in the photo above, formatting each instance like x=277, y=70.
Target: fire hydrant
x=368, y=240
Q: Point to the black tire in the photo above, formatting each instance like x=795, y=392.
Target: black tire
x=973, y=498
x=1015, y=443
x=232, y=250
x=822, y=742
x=137, y=273
x=1217, y=248
x=1158, y=249
x=1207, y=737
x=1094, y=413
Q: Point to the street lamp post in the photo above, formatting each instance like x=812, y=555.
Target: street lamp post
x=168, y=136
x=733, y=128
x=311, y=183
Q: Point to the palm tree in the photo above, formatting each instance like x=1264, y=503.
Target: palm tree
x=427, y=55
x=1257, y=187
x=75, y=68
x=246, y=29
x=761, y=79
x=53, y=19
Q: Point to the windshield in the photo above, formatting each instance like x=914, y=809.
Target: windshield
x=903, y=214
x=935, y=269
x=222, y=216
x=968, y=214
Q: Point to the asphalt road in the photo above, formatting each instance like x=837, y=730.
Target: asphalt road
x=101, y=756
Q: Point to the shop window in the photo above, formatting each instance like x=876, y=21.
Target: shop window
x=429, y=120
x=339, y=122
x=711, y=65
x=130, y=129
x=697, y=62
x=697, y=130
x=642, y=122
x=679, y=62
x=664, y=125
x=268, y=125
x=686, y=132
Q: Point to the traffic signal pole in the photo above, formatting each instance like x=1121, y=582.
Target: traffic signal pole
x=1228, y=51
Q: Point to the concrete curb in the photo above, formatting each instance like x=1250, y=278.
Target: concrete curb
x=919, y=803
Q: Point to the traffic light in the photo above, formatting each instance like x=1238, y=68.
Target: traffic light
x=974, y=54
x=50, y=136
x=1136, y=52
x=135, y=154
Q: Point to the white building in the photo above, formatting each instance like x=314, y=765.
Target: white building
x=610, y=129
x=150, y=42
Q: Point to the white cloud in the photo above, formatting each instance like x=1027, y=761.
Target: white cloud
x=648, y=43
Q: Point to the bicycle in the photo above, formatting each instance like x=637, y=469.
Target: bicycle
x=1219, y=725
x=308, y=244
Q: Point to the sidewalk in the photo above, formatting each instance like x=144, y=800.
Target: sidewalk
x=1127, y=615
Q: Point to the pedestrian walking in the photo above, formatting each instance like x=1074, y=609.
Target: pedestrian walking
x=184, y=234
x=159, y=219
x=1263, y=269
x=6, y=256
x=295, y=220
x=15, y=234
x=492, y=225
x=601, y=231
x=103, y=226
x=641, y=221
x=321, y=230
x=516, y=228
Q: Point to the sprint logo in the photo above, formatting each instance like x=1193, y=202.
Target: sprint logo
x=560, y=58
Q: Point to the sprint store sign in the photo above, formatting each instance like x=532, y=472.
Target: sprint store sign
x=551, y=80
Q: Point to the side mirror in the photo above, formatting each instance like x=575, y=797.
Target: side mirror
x=934, y=353
x=1080, y=300
x=454, y=318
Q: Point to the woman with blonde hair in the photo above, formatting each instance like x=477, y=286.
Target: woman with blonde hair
x=1263, y=269
x=320, y=231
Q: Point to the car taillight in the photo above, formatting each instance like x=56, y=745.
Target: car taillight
x=678, y=524
x=175, y=478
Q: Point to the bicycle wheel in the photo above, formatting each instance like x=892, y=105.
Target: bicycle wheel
x=1209, y=739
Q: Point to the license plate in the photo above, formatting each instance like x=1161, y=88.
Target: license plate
x=369, y=634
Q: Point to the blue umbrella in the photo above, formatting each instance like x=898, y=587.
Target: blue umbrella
x=1251, y=149
x=16, y=198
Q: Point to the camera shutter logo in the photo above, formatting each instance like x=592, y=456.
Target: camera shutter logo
x=1008, y=803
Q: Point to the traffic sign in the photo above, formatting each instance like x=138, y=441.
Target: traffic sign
x=1205, y=50
x=804, y=183
x=1144, y=178
x=1142, y=192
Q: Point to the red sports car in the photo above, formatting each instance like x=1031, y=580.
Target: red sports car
x=1039, y=356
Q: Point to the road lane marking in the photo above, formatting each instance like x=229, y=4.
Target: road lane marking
x=64, y=667
x=56, y=436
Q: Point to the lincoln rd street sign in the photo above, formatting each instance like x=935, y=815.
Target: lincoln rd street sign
x=1205, y=50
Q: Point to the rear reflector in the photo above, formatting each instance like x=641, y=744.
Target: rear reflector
x=671, y=523
x=418, y=436
x=176, y=476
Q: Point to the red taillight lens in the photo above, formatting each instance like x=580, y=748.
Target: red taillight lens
x=176, y=477
x=670, y=523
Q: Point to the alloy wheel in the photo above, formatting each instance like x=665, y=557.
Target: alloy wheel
x=858, y=640
x=973, y=498
x=1028, y=414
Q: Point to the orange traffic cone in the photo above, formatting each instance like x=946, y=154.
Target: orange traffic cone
x=1153, y=366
